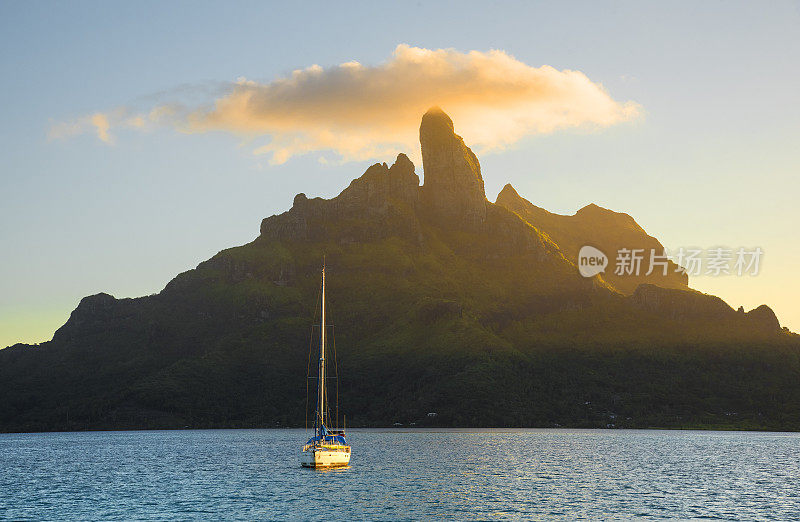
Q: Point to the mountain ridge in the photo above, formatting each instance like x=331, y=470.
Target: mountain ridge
x=599, y=227
x=444, y=301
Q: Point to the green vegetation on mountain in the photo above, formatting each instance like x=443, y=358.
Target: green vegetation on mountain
x=442, y=302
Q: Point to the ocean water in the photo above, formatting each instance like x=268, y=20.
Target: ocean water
x=398, y=475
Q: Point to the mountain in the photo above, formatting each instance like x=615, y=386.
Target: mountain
x=601, y=228
x=442, y=302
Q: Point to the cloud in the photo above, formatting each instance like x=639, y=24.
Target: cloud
x=97, y=122
x=363, y=112
x=100, y=122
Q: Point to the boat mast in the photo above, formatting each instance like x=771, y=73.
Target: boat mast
x=321, y=374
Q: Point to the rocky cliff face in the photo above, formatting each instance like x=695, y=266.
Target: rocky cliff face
x=601, y=228
x=763, y=319
x=694, y=305
x=382, y=202
x=93, y=314
x=453, y=191
x=681, y=304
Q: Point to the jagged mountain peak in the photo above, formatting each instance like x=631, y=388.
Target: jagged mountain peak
x=453, y=190
x=403, y=163
x=510, y=199
x=508, y=192
x=592, y=208
x=436, y=117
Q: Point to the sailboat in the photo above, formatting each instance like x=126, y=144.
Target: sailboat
x=328, y=447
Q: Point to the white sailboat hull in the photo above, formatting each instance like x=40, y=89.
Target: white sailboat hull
x=325, y=458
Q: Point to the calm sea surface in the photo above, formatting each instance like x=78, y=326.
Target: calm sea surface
x=455, y=474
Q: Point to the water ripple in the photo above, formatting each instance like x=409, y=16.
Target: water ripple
x=402, y=475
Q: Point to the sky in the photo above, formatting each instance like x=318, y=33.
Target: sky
x=139, y=139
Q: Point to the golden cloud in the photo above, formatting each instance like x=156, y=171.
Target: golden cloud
x=363, y=112
x=98, y=122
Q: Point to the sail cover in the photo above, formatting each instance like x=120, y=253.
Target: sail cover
x=330, y=439
x=326, y=437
